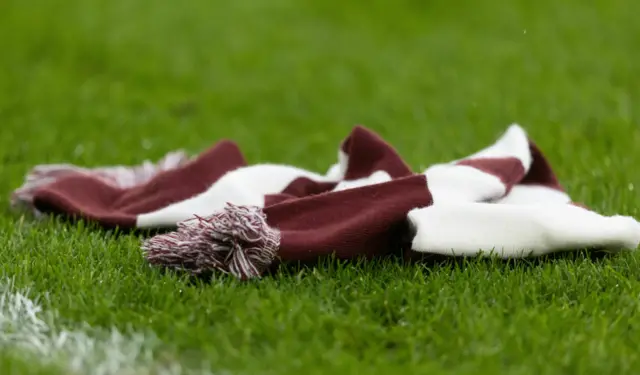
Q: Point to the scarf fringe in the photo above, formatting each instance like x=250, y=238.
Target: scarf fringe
x=236, y=240
x=120, y=176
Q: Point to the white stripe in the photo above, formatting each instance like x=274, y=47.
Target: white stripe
x=516, y=231
x=31, y=333
x=513, y=143
x=461, y=183
x=449, y=182
x=337, y=171
x=244, y=186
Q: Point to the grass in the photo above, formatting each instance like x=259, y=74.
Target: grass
x=96, y=82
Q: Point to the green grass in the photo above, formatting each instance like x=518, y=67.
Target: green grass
x=96, y=82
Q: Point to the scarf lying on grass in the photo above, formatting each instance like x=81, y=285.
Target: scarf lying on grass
x=244, y=219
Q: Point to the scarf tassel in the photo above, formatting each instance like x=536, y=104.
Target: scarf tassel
x=236, y=240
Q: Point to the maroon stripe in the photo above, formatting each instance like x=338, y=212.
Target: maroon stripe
x=271, y=199
x=83, y=197
x=369, y=153
x=303, y=186
x=366, y=221
x=182, y=183
x=93, y=198
x=540, y=172
x=300, y=187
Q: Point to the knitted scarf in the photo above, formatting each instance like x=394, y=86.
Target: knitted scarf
x=226, y=216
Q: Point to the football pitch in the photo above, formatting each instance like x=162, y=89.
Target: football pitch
x=99, y=82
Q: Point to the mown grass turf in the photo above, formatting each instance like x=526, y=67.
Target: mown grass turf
x=103, y=82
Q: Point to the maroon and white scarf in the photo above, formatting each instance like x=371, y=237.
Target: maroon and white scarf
x=244, y=219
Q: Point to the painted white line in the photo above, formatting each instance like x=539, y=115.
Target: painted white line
x=28, y=331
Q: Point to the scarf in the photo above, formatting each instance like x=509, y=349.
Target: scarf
x=223, y=215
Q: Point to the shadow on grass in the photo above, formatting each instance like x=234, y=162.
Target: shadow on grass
x=431, y=261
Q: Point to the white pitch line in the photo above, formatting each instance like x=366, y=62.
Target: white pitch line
x=28, y=331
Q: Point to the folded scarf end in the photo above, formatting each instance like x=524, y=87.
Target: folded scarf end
x=513, y=231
